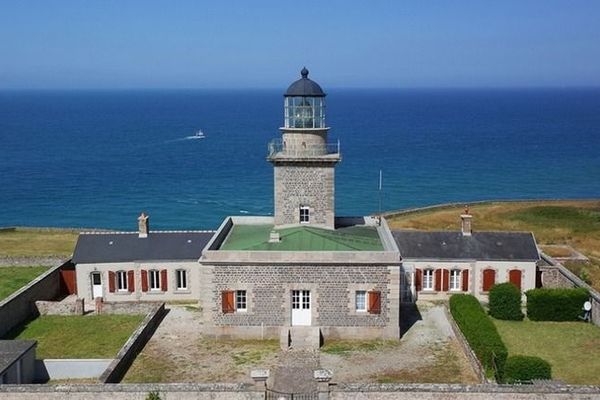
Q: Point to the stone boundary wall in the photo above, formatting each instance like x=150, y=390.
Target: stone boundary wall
x=220, y=391
x=470, y=203
x=473, y=360
x=69, y=306
x=129, y=308
x=20, y=306
x=45, y=261
x=136, y=342
x=557, y=275
x=459, y=392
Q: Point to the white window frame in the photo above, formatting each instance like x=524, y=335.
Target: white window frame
x=154, y=282
x=122, y=281
x=455, y=275
x=358, y=307
x=181, y=276
x=428, y=279
x=304, y=215
x=241, y=300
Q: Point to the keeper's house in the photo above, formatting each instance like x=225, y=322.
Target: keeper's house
x=304, y=273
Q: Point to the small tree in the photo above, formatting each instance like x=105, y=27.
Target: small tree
x=505, y=302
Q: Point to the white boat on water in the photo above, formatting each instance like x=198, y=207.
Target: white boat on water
x=198, y=135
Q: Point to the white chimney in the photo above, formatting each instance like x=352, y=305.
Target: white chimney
x=466, y=222
x=143, y=225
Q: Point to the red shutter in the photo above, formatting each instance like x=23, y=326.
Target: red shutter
x=374, y=302
x=489, y=279
x=144, y=280
x=130, y=281
x=445, y=275
x=438, y=280
x=514, y=276
x=163, y=280
x=227, y=301
x=111, y=281
x=465, y=280
x=419, y=280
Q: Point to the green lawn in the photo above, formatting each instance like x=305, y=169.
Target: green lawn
x=14, y=278
x=90, y=336
x=36, y=242
x=572, y=348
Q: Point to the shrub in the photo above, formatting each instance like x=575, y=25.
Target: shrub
x=505, y=302
x=555, y=304
x=526, y=368
x=480, y=332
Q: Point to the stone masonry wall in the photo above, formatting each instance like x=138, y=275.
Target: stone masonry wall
x=304, y=184
x=332, y=293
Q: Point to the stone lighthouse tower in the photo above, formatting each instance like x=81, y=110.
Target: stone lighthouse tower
x=303, y=161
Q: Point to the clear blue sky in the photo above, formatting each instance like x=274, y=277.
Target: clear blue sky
x=231, y=44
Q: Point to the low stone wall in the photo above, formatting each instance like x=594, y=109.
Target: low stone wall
x=47, y=261
x=473, y=360
x=459, y=392
x=136, y=342
x=131, y=308
x=20, y=306
x=219, y=391
x=557, y=275
x=68, y=306
x=176, y=391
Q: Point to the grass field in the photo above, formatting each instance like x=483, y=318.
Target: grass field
x=90, y=336
x=14, y=278
x=32, y=242
x=572, y=348
x=576, y=223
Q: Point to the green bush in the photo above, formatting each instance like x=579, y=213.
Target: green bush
x=480, y=332
x=505, y=302
x=555, y=304
x=526, y=368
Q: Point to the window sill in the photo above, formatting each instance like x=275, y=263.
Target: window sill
x=122, y=293
x=182, y=291
x=155, y=292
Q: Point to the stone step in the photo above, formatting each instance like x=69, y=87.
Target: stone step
x=300, y=337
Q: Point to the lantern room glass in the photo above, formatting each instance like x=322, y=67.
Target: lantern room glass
x=304, y=112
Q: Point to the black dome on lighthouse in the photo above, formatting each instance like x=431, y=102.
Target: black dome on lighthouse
x=305, y=87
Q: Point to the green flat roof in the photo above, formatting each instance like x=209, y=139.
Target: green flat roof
x=303, y=238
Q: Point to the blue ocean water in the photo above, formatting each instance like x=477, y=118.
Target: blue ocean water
x=98, y=158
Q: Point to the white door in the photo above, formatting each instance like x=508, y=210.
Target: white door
x=96, y=284
x=301, y=307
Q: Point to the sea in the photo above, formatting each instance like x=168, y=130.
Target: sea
x=96, y=159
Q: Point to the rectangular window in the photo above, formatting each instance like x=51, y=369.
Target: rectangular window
x=122, y=281
x=361, y=301
x=428, y=279
x=154, y=279
x=304, y=215
x=455, y=279
x=181, y=279
x=240, y=300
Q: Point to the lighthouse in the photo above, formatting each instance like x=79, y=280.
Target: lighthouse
x=303, y=159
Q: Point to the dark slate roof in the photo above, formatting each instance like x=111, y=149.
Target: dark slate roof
x=125, y=247
x=490, y=246
x=12, y=350
x=305, y=87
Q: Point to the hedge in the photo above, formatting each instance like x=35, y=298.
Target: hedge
x=505, y=302
x=480, y=332
x=555, y=304
x=526, y=368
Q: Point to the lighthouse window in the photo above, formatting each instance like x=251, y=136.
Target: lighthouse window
x=304, y=215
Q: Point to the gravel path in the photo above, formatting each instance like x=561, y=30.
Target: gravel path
x=178, y=352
